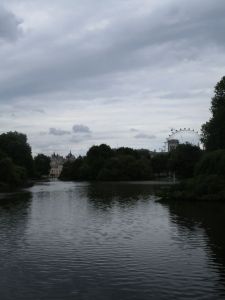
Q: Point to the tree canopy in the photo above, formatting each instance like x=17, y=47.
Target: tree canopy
x=42, y=164
x=15, y=146
x=183, y=160
x=104, y=163
x=16, y=162
x=213, y=131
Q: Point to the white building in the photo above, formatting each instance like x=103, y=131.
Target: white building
x=57, y=162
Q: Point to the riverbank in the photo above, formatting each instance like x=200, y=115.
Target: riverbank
x=8, y=188
x=199, y=188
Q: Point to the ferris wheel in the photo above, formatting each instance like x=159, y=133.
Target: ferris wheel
x=184, y=136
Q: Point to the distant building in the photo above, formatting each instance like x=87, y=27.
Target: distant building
x=172, y=144
x=70, y=157
x=57, y=162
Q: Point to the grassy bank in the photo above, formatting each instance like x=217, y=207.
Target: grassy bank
x=200, y=188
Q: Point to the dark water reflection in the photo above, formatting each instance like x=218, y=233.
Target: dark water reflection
x=109, y=241
x=207, y=216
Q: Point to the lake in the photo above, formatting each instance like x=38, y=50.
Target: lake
x=65, y=240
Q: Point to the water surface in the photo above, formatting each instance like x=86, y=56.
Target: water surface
x=109, y=241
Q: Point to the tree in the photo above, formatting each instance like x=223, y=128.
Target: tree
x=11, y=174
x=106, y=164
x=213, y=131
x=160, y=163
x=16, y=147
x=211, y=163
x=183, y=160
x=42, y=164
x=96, y=158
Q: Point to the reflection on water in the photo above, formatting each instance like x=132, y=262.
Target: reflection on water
x=209, y=217
x=124, y=194
x=109, y=241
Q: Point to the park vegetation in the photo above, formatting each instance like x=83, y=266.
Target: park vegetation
x=208, y=179
x=17, y=166
x=102, y=163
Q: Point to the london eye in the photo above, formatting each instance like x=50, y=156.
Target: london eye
x=184, y=136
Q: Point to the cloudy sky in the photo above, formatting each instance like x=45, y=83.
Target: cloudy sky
x=74, y=73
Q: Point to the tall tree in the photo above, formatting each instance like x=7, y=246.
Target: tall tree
x=16, y=147
x=183, y=160
x=42, y=164
x=213, y=131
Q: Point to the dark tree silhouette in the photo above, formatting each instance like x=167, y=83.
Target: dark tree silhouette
x=42, y=164
x=213, y=131
x=183, y=160
x=104, y=163
x=16, y=147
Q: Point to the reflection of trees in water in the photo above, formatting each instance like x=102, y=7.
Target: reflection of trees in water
x=14, y=211
x=105, y=195
x=208, y=216
x=15, y=201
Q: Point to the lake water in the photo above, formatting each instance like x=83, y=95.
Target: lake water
x=109, y=241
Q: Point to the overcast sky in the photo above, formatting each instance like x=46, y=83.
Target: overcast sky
x=74, y=73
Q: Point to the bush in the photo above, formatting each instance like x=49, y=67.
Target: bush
x=11, y=174
x=211, y=163
x=184, y=159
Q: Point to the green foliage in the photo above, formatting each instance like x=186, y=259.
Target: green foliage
x=74, y=170
x=15, y=146
x=16, y=162
x=213, y=131
x=212, y=163
x=2, y=155
x=208, y=182
x=42, y=164
x=160, y=163
x=183, y=160
x=11, y=174
x=126, y=167
x=202, y=187
x=206, y=185
x=102, y=152
x=106, y=164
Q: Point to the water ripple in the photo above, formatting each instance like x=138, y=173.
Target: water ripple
x=82, y=241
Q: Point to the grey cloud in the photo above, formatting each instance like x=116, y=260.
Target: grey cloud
x=59, y=132
x=39, y=110
x=28, y=108
x=80, y=138
x=150, y=68
x=186, y=94
x=79, y=128
x=144, y=136
x=164, y=36
x=9, y=25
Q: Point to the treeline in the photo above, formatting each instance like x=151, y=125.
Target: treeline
x=17, y=166
x=102, y=163
x=105, y=164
